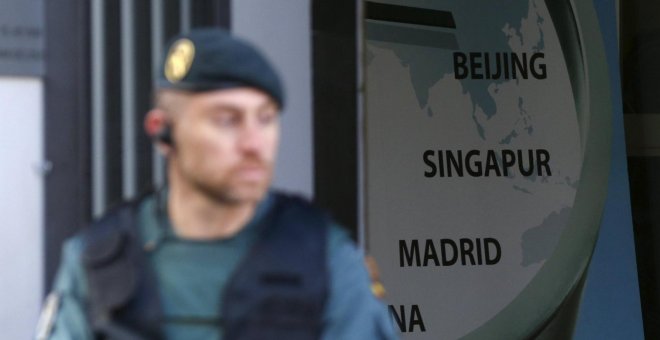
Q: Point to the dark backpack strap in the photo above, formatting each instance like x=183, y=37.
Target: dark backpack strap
x=123, y=301
x=279, y=290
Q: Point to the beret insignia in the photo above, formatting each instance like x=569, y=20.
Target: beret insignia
x=179, y=59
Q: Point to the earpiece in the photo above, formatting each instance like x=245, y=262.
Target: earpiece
x=165, y=135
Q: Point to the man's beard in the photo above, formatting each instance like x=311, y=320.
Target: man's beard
x=233, y=191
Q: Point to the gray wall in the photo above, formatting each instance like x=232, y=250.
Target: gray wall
x=282, y=30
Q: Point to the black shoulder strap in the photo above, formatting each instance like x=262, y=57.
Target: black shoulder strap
x=123, y=301
x=279, y=290
x=111, y=273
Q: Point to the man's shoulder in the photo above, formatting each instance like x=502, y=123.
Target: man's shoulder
x=122, y=212
x=286, y=198
x=107, y=232
x=297, y=207
x=336, y=234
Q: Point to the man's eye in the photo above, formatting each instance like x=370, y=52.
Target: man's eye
x=267, y=117
x=225, y=120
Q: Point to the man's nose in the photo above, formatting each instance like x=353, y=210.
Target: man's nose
x=251, y=138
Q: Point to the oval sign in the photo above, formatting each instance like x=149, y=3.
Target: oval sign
x=479, y=139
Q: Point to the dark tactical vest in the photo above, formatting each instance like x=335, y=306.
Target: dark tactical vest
x=278, y=290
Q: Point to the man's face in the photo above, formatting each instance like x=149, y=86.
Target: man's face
x=226, y=142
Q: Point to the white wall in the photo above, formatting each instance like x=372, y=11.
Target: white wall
x=282, y=30
x=21, y=206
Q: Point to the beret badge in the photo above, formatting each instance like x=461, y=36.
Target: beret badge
x=179, y=59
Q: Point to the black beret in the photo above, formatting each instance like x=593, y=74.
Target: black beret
x=212, y=59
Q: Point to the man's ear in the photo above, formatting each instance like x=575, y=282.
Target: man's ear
x=157, y=126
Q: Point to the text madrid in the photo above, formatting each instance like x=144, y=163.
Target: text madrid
x=447, y=252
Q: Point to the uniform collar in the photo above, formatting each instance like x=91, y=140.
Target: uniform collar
x=156, y=226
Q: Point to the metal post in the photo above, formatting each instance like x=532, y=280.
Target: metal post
x=128, y=139
x=361, y=126
x=186, y=15
x=157, y=37
x=98, y=108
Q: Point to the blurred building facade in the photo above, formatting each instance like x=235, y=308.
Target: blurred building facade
x=76, y=78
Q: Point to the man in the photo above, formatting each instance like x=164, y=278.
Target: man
x=216, y=254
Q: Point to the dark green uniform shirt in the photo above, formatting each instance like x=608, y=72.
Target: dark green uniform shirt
x=191, y=276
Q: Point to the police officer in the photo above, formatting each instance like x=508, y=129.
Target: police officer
x=217, y=253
